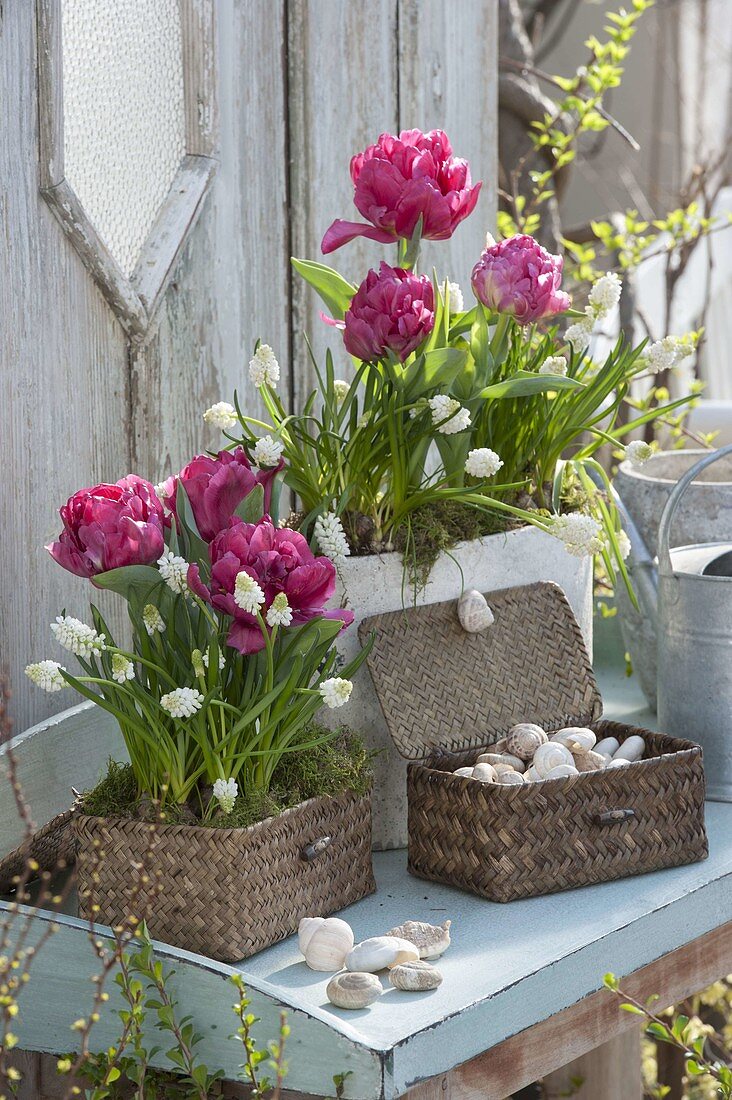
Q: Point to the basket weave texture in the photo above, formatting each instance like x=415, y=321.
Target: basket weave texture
x=52, y=847
x=226, y=893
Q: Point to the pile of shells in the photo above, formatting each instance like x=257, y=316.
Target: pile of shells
x=529, y=755
x=327, y=943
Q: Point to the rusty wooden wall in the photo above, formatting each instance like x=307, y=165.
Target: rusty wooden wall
x=302, y=84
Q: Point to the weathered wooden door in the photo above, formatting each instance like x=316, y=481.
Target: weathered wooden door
x=184, y=149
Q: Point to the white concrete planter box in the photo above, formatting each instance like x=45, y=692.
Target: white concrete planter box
x=371, y=585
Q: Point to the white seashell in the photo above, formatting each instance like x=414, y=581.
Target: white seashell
x=431, y=940
x=608, y=746
x=490, y=758
x=495, y=758
x=414, y=976
x=550, y=756
x=501, y=769
x=618, y=762
x=589, y=761
x=380, y=952
x=473, y=612
x=485, y=773
x=631, y=749
x=466, y=773
x=531, y=775
x=510, y=778
x=353, y=990
x=305, y=929
x=561, y=771
x=576, y=738
x=326, y=944
x=516, y=762
x=499, y=746
x=524, y=739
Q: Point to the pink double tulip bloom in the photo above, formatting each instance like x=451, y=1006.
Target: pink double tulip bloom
x=109, y=526
x=279, y=560
x=519, y=277
x=392, y=311
x=401, y=179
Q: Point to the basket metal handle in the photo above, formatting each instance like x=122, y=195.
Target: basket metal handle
x=315, y=848
x=612, y=817
x=664, y=528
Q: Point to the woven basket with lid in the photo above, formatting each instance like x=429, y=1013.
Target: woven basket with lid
x=447, y=694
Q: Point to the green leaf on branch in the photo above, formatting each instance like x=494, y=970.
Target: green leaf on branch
x=334, y=290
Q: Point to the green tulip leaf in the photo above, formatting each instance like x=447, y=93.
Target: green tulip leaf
x=525, y=383
x=251, y=509
x=332, y=287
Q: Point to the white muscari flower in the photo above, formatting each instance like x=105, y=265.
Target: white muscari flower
x=264, y=368
x=122, y=668
x=336, y=691
x=638, y=452
x=247, y=593
x=206, y=658
x=483, y=462
x=267, y=451
x=77, y=637
x=444, y=407
x=225, y=791
x=580, y=533
x=555, y=364
x=182, y=702
x=46, y=675
x=455, y=298
x=152, y=619
x=174, y=571
x=221, y=415
x=666, y=354
x=578, y=335
x=331, y=538
x=623, y=543
x=280, y=612
x=341, y=388
x=605, y=294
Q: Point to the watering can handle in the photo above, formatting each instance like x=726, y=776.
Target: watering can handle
x=664, y=529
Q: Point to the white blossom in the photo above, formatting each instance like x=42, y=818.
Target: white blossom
x=280, y=612
x=221, y=415
x=455, y=298
x=483, y=462
x=578, y=335
x=122, y=668
x=161, y=489
x=331, y=538
x=247, y=593
x=336, y=691
x=448, y=415
x=605, y=294
x=267, y=451
x=174, y=571
x=77, y=637
x=580, y=533
x=182, y=702
x=666, y=354
x=623, y=543
x=555, y=364
x=206, y=657
x=264, y=368
x=341, y=388
x=638, y=452
x=225, y=791
x=152, y=619
x=46, y=675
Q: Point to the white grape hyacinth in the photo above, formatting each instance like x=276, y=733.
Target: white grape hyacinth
x=264, y=370
x=455, y=298
x=247, y=593
x=341, y=388
x=222, y=415
x=605, y=294
x=448, y=415
x=152, y=620
x=182, y=702
x=225, y=791
x=331, y=538
x=46, y=675
x=580, y=533
x=637, y=453
x=579, y=335
x=336, y=691
x=267, y=451
x=206, y=657
x=122, y=668
x=666, y=354
x=77, y=637
x=483, y=462
x=279, y=612
x=623, y=543
x=555, y=364
x=174, y=571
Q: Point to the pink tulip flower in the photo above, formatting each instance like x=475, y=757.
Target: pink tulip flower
x=392, y=311
x=519, y=277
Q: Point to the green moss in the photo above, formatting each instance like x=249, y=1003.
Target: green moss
x=115, y=795
x=436, y=528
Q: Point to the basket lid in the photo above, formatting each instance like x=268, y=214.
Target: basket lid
x=443, y=688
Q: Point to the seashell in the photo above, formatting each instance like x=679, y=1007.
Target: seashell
x=589, y=761
x=495, y=758
x=380, y=953
x=499, y=746
x=501, y=769
x=473, y=612
x=510, y=778
x=327, y=942
x=531, y=775
x=524, y=739
x=631, y=749
x=490, y=758
x=353, y=990
x=516, y=762
x=550, y=756
x=485, y=773
x=466, y=773
x=561, y=771
x=431, y=940
x=608, y=746
x=576, y=738
x=618, y=762
x=414, y=976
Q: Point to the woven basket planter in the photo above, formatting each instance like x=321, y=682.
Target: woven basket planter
x=51, y=847
x=447, y=694
x=227, y=893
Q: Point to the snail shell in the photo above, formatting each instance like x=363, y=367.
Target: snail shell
x=551, y=755
x=502, y=768
x=524, y=739
x=353, y=990
x=561, y=771
x=430, y=940
x=380, y=953
x=576, y=738
x=473, y=612
x=631, y=749
x=485, y=773
x=589, y=761
x=608, y=746
x=499, y=746
x=326, y=942
x=490, y=758
x=495, y=758
x=618, y=762
x=531, y=775
x=466, y=773
x=510, y=778
x=415, y=976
